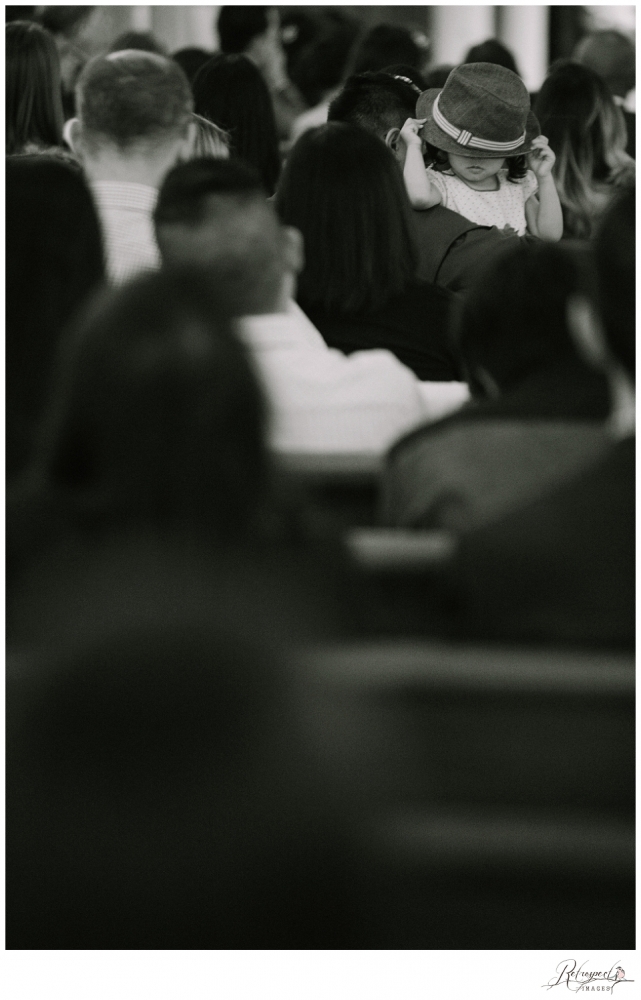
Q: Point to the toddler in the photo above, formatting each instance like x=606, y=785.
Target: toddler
x=484, y=138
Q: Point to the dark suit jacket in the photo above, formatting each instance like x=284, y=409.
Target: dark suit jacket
x=561, y=570
x=415, y=326
x=452, y=250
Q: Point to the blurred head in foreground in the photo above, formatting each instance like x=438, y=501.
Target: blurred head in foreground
x=214, y=215
x=514, y=321
x=158, y=421
x=159, y=795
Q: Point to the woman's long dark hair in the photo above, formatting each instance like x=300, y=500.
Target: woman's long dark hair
x=587, y=132
x=54, y=261
x=33, y=94
x=157, y=419
x=342, y=188
x=230, y=92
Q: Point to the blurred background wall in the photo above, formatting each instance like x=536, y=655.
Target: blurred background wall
x=536, y=34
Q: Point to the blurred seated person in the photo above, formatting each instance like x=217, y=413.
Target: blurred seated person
x=586, y=130
x=230, y=92
x=214, y=215
x=539, y=410
x=133, y=124
x=492, y=51
x=342, y=189
x=191, y=59
x=160, y=791
x=255, y=32
x=54, y=262
x=451, y=248
x=386, y=44
x=153, y=441
x=34, y=118
x=562, y=569
x=320, y=70
x=612, y=56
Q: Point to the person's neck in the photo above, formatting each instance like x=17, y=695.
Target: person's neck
x=133, y=169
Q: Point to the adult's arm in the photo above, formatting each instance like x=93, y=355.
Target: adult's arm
x=453, y=250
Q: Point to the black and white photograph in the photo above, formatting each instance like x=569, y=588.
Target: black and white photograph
x=320, y=501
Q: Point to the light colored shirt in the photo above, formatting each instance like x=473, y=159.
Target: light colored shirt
x=125, y=210
x=322, y=401
x=505, y=207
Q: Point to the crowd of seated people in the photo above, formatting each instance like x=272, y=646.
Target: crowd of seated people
x=225, y=268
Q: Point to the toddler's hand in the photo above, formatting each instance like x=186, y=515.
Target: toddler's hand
x=409, y=132
x=541, y=158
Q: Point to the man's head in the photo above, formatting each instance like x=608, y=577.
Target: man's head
x=213, y=214
x=376, y=102
x=132, y=106
x=241, y=29
x=612, y=56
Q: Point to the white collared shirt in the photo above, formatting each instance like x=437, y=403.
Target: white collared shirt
x=125, y=210
x=323, y=401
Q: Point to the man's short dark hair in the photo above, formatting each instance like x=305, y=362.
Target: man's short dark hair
x=214, y=214
x=374, y=101
x=237, y=26
x=131, y=96
x=492, y=51
x=183, y=195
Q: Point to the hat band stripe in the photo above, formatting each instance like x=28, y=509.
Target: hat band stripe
x=465, y=138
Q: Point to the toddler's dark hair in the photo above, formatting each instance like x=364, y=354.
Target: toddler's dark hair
x=439, y=160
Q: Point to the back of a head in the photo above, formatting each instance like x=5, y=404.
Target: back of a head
x=587, y=133
x=406, y=74
x=386, y=44
x=214, y=214
x=492, y=51
x=158, y=418
x=614, y=249
x=230, y=91
x=128, y=98
x=374, y=101
x=190, y=60
x=54, y=260
x=238, y=26
x=33, y=90
x=171, y=729
x=514, y=321
x=142, y=41
x=611, y=55
x=321, y=64
x=342, y=188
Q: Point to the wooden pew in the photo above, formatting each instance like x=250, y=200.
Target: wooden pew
x=497, y=786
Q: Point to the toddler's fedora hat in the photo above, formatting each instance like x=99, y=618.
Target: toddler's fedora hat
x=483, y=110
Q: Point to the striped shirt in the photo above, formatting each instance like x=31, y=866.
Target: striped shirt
x=125, y=210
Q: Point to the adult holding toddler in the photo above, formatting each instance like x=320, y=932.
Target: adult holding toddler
x=341, y=188
x=490, y=161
